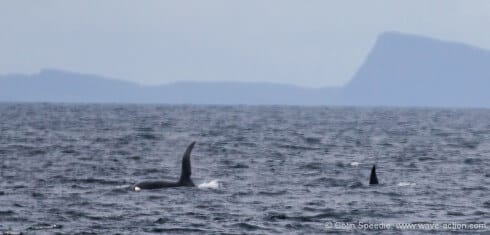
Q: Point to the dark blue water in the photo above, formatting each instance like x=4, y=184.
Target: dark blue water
x=68, y=169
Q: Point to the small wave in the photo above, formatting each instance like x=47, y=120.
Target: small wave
x=354, y=163
x=239, y=166
x=247, y=226
x=7, y=212
x=296, y=147
x=272, y=193
x=241, y=194
x=482, y=188
x=161, y=221
x=273, y=217
x=455, y=213
x=312, y=166
x=356, y=184
x=44, y=226
x=313, y=140
x=97, y=181
x=329, y=182
x=403, y=184
x=147, y=136
x=213, y=184
x=478, y=212
x=423, y=159
x=37, y=195
x=471, y=161
x=176, y=230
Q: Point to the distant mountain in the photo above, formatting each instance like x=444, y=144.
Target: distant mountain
x=408, y=70
x=59, y=86
x=401, y=70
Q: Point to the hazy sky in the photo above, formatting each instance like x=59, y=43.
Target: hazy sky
x=305, y=42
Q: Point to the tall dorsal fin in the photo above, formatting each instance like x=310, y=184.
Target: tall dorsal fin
x=185, y=175
x=373, y=179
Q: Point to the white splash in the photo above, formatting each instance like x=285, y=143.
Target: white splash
x=137, y=189
x=354, y=163
x=124, y=186
x=213, y=184
x=403, y=184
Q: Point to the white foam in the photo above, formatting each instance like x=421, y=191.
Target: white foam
x=213, y=184
x=137, y=189
x=124, y=186
x=354, y=163
x=403, y=184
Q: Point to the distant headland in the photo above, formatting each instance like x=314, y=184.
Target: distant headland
x=400, y=70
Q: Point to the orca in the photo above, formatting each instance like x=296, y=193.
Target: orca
x=373, y=179
x=185, y=176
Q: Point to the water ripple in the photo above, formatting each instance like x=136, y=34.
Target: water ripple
x=68, y=169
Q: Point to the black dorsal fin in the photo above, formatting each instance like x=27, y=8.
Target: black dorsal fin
x=185, y=176
x=373, y=179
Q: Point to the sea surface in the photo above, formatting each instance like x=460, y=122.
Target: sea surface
x=70, y=168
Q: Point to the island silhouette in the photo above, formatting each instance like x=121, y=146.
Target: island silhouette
x=400, y=70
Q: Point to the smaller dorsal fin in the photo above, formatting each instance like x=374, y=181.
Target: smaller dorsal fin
x=373, y=179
